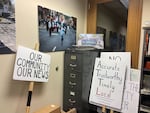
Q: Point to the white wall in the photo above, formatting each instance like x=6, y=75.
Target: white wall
x=13, y=94
x=145, y=22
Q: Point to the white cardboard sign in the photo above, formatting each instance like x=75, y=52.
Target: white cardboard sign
x=107, y=83
x=130, y=102
x=31, y=65
x=131, y=97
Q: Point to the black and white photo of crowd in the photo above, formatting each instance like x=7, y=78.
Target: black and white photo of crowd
x=7, y=27
x=57, y=32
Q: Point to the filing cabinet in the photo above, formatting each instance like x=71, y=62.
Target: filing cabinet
x=78, y=70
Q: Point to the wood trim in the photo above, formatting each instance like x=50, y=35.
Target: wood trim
x=91, y=16
x=134, y=30
x=102, y=1
x=133, y=26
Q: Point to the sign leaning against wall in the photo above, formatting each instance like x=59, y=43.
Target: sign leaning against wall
x=7, y=27
x=31, y=65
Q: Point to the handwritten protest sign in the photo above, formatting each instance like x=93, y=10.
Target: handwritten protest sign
x=31, y=65
x=107, y=83
x=131, y=97
x=131, y=93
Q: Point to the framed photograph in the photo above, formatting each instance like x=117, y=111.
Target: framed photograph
x=57, y=31
x=7, y=27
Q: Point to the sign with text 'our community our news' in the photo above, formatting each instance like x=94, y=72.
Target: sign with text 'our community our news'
x=31, y=65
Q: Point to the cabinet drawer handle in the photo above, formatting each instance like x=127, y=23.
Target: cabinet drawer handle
x=72, y=93
x=72, y=83
x=72, y=75
x=72, y=101
x=73, y=65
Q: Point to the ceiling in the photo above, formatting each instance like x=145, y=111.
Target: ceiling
x=117, y=7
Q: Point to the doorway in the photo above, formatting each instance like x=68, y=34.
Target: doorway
x=133, y=26
x=112, y=22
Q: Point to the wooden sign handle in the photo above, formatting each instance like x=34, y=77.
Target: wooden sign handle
x=104, y=109
x=111, y=111
x=30, y=90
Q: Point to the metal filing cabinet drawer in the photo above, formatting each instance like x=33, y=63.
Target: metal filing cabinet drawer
x=73, y=62
x=73, y=76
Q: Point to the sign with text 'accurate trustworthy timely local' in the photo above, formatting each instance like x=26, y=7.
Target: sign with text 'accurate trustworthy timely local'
x=108, y=83
x=31, y=65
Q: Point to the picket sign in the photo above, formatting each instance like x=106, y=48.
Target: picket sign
x=107, y=84
x=109, y=77
x=33, y=66
x=118, y=56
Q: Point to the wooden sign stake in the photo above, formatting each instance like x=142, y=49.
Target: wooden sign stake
x=30, y=90
x=111, y=111
x=104, y=110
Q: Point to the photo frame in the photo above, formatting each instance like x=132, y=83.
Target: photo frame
x=7, y=27
x=57, y=31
